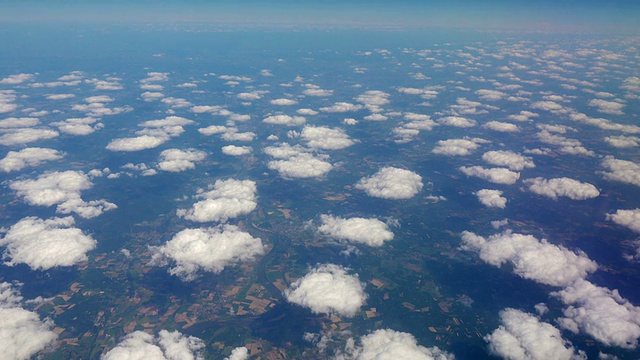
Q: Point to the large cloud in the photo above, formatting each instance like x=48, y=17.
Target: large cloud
x=208, y=249
x=328, y=289
x=321, y=137
x=62, y=188
x=176, y=160
x=556, y=187
x=166, y=346
x=491, y=198
x=22, y=333
x=523, y=336
x=43, y=244
x=508, y=159
x=228, y=199
x=600, y=313
x=531, y=258
x=391, y=183
x=372, y=232
x=26, y=135
x=391, y=344
x=627, y=218
x=621, y=170
x=18, y=160
x=494, y=175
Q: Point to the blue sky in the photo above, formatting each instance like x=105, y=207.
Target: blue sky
x=555, y=16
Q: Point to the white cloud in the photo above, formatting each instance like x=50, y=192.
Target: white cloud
x=547, y=105
x=254, y=95
x=531, y=258
x=391, y=344
x=306, y=111
x=328, y=289
x=208, y=249
x=18, y=160
x=494, y=175
x=239, y=353
x=600, y=313
x=621, y=170
x=607, y=107
x=16, y=79
x=509, y=159
x=455, y=147
x=136, y=143
x=491, y=198
x=22, y=333
x=372, y=232
x=13, y=122
x=457, y=121
x=373, y=100
x=44, y=244
x=176, y=160
x=232, y=134
x=284, y=120
x=375, y=117
x=391, y=183
x=566, y=145
x=62, y=188
x=151, y=95
x=283, y=102
x=523, y=336
x=491, y=95
x=28, y=135
x=303, y=165
x=234, y=150
x=78, y=126
x=228, y=199
x=627, y=218
x=155, y=76
x=341, y=107
x=166, y=346
x=501, y=126
x=320, y=137
x=563, y=186
x=167, y=121
x=623, y=141
x=212, y=129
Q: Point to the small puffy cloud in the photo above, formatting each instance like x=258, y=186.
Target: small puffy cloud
x=14, y=122
x=523, y=116
x=137, y=143
x=546, y=105
x=232, y=134
x=607, y=107
x=306, y=111
x=501, y=126
x=391, y=344
x=391, y=183
x=350, y=121
x=27, y=135
x=372, y=232
x=491, y=198
x=373, y=100
x=556, y=187
x=62, y=188
x=155, y=77
x=166, y=346
x=494, y=175
x=297, y=162
x=176, y=160
x=509, y=159
x=283, y=102
x=228, y=199
x=491, y=95
x=623, y=141
x=234, y=150
x=531, y=258
x=239, y=353
x=22, y=333
x=152, y=95
x=254, y=95
x=44, y=244
x=621, y=170
x=626, y=218
x=207, y=249
x=600, y=313
x=457, y=121
x=523, y=336
x=168, y=121
x=341, y=107
x=212, y=130
x=78, y=126
x=566, y=145
x=16, y=79
x=284, y=120
x=328, y=289
x=321, y=137
x=18, y=160
x=375, y=117
x=455, y=147
x=314, y=90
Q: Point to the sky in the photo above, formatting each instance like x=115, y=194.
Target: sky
x=618, y=16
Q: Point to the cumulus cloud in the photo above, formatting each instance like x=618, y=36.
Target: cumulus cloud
x=523, y=336
x=297, y=162
x=16, y=79
x=314, y=90
x=454, y=147
x=626, y=218
x=78, y=126
x=165, y=346
x=566, y=145
x=508, y=159
x=306, y=111
x=22, y=333
x=176, y=160
x=501, y=126
x=228, y=199
x=563, y=186
x=26, y=135
x=43, y=244
x=341, y=107
x=321, y=137
x=212, y=130
x=373, y=100
x=621, y=170
x=234, y=150
x=531, y=258
x=207, y=249
x=18, y=160
x=254, y=95
x=491, y=95
x=391, y=344
x=284, y=120
x=623, y=141
x=601, y=313
x=491, y=198
x=283, y=102
x=136, y=143
x=372, y=232
x=457, y=121
x=391, y=183
x=239, y=353
x=607, y=107
x=328, y=289
x=22, y=122
x=494, y=175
